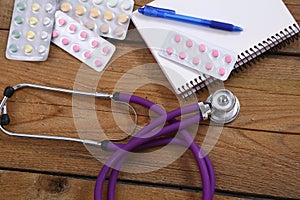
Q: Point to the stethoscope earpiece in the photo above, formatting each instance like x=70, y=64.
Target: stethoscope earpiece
x=225, y=106
x=4, y=118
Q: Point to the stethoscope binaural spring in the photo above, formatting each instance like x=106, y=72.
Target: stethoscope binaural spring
x=221, y=107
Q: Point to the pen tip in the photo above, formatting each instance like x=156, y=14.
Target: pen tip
x=238, y=29
x=141, y=10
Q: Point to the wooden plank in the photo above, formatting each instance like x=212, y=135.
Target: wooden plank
x=6, y=14
x=251, y=162
x=38, y=186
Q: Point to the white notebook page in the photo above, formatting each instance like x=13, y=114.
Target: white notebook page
x=260, y=20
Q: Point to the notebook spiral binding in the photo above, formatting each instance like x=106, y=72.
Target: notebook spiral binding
x=277, y=41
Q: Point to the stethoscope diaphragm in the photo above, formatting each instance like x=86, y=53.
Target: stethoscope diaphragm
x=225, y=106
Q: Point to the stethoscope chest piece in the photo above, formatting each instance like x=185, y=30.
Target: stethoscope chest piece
x=224, y=105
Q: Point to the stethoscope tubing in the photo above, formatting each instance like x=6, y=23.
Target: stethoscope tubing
x=148, y=137
x=116, y=160
x=160, y=111
x=162, y=142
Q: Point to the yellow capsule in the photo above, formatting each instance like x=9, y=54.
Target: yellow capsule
x=33, y=21
x=123, y=18
x=30, y=35
x=28, y=48
x=94, y=12
x=108, y=15
x=65, y=7
x=80, y=10
x=35, y=7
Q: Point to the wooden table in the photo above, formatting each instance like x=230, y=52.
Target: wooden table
x=257, y=155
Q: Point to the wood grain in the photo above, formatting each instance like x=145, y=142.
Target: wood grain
x=62, y=187
x=257, y=154
x=245, y=161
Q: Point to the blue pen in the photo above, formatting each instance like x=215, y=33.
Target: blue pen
x=171, y=14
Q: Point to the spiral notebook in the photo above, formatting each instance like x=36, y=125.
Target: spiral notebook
x=266, y=24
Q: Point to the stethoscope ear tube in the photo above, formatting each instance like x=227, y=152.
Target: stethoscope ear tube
x=5, y=119
x=9, y=91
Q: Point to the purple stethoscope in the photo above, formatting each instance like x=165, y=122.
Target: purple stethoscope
x=221, y=107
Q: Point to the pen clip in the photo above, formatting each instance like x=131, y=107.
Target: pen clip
x=160, y=9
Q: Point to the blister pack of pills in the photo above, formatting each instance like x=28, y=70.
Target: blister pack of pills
x=108, y=18
x=30, y=30
x=199, y=55
x=80, y=42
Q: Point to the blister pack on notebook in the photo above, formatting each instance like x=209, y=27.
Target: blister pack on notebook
x=30, y=30
x=199, y=55
x=108, y=18
x=80, y=42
